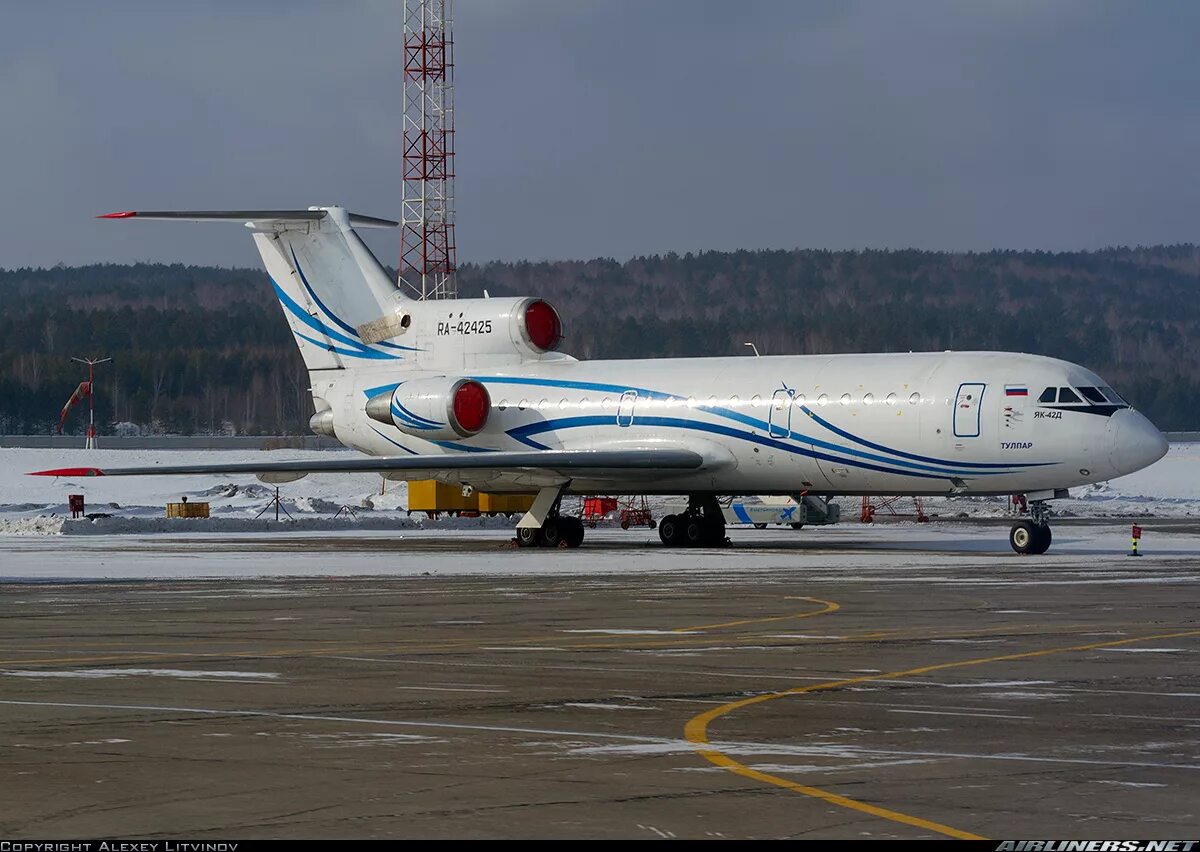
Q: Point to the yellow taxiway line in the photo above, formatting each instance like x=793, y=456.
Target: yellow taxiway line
x=696, y=730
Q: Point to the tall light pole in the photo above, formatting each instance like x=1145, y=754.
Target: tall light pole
x=91, y=395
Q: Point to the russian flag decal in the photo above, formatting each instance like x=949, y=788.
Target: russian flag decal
x=1016, y=390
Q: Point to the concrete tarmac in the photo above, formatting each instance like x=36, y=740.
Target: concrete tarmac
x=997, y=697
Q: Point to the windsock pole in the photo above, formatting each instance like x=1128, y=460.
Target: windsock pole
x=90, y=444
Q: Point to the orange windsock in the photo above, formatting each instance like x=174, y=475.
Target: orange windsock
x=84, y=389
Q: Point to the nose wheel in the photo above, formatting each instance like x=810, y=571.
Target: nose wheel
x=1032, y=537
x=1029, y=538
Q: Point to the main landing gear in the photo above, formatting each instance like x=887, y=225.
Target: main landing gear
x=556, y=530
x=1032, y=537
x=702, y=525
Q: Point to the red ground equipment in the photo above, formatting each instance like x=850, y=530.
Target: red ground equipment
x=596, y=508
x=636, y=514
x=873, y=505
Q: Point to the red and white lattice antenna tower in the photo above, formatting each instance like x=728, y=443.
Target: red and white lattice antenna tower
x=427, y=261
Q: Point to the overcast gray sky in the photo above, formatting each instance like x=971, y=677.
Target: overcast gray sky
x=610, y=128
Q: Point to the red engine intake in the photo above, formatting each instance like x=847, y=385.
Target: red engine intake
x=543, y=328
x=470, y=407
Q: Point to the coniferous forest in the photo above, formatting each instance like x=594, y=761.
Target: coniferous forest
x=206, y=349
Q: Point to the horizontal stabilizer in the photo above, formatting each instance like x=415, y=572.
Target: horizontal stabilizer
x=596, y=461
x=356, y=220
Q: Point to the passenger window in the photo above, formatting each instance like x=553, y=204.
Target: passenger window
x=1068, y=395
x=1048, y=395
x=1093, y=395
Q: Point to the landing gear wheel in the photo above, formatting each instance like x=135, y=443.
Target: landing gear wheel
x=572, y=531
x=670, y=530
x=1022, y=537
x=794, y=525
x=529, y=536
x=551, y=533
x=1044, y=537
x=1029, y=538
x=760, y=526
x=714, y=532
x=693, y=532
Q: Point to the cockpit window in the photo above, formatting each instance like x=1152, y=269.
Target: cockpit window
x=1068, y=395
x=1093, y=395
x=1048, y=395
x=1113, y=396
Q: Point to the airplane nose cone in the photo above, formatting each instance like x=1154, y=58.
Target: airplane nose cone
x=1134, y=442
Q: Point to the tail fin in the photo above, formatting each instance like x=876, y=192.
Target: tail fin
x=341, y=304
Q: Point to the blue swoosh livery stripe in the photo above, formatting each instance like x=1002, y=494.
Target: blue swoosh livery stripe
x=358, y=350
x=345, y=326
x=453, y=445
x=401, y=414
x=945, y=469
x=522, y=433
x=397, y=443
x=352, y=353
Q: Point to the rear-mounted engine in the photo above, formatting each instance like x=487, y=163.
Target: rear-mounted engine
x=438, y=408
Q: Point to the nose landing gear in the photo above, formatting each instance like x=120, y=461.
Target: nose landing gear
x=1032, y=537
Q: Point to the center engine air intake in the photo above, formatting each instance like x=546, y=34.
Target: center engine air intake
x=438, y=408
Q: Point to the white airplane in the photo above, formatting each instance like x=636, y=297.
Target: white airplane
x=474, y=392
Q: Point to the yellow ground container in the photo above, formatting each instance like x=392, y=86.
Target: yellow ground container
x=429, y=495
x=506, y=504
x=187, y=510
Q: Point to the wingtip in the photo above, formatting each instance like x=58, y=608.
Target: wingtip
x=123, y=214
x=69, y=471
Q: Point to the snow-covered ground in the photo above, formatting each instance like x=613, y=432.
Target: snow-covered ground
x=37, y=505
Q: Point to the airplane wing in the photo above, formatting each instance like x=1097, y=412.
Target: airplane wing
x=564, y=462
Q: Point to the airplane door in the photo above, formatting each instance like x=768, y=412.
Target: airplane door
x=625, y=409
x=967, y=410
x=779, y=419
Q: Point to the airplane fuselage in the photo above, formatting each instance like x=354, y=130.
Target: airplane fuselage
x=916, y=423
